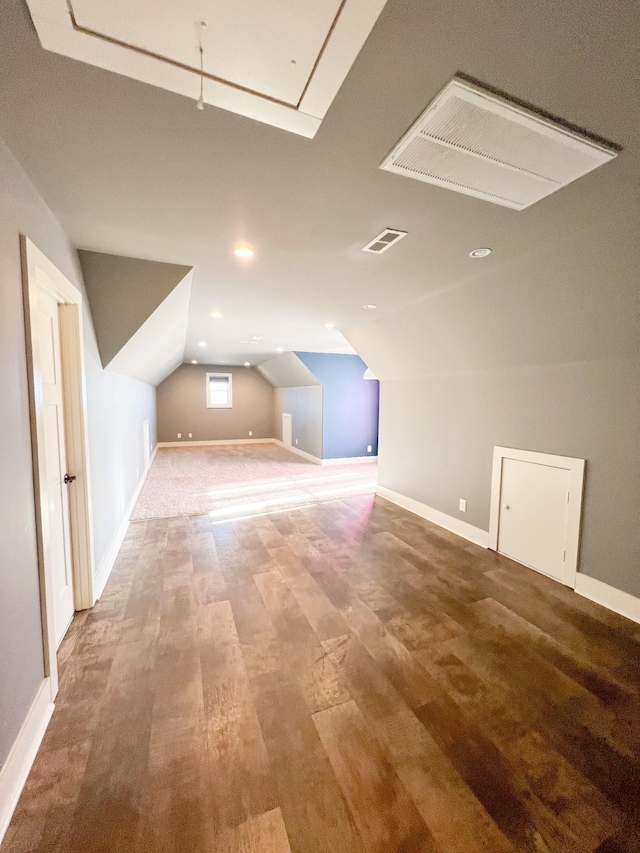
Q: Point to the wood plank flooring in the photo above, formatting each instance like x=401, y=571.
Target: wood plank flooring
x=342, y=678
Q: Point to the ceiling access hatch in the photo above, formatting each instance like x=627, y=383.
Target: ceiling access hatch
x=389, y=237
x=280, y=62
x=481, y=144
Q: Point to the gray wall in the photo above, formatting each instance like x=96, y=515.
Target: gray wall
x=539, y=353
x=116, y=408
x=182, y=405
x=437, y=437
x=123, y=294
x=305, y=407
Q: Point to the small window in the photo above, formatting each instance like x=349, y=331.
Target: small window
x=219, y=391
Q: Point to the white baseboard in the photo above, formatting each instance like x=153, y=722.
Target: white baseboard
x=215, y=442
x=349, y=460
x=346, y=460
x=23, y=752
x=608, y=596
x=108, y=561
x=455, y=525
x=315, y=459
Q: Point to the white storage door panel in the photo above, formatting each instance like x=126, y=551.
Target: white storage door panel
x=533, y=515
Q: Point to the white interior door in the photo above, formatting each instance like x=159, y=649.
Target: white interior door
x=57, y=542
x=534, y=504
x=286, y=430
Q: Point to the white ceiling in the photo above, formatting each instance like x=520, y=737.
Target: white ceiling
x=135, y=170
x=287, y=371
x=247, y=43
x=280, y=62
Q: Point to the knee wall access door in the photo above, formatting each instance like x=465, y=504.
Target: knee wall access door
x=535, y=510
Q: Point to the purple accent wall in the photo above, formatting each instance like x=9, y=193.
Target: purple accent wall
x=350, y=404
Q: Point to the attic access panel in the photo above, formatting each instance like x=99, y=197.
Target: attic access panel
x=480, y=144
x=281, y=62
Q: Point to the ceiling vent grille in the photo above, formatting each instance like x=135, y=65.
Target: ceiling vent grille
x=384, y=241
x=474, y=142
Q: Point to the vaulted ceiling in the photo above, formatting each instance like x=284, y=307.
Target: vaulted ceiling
x=135, y=170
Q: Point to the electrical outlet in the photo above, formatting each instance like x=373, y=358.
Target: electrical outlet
x=190, y=435
x=179, y=435
x=369, y=448
x=137, y=473
x=463, y=505
x=250, y=432
x=296, y=440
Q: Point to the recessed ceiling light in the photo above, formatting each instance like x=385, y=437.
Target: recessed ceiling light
x=194, y=361
x=479, y=253
x=279, y=349
x=243, y=252
x=247, y=364
x=202, y=343
x=330, y=325
x=217, y=315
x=370, y=307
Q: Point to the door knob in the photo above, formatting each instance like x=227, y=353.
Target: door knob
x=69, y=478
x=504, y=506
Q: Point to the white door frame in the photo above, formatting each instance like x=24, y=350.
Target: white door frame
x=40, y=275
x=574, y=513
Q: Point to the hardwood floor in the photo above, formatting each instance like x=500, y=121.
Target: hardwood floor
x=344, y=678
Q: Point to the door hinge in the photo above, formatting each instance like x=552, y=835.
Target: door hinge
x=568, y=495
x=564, y=556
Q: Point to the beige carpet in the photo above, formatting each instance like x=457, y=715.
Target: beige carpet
x=227, y=481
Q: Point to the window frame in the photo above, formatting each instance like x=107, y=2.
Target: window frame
x=210, y=405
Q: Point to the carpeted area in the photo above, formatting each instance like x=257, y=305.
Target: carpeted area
x=224, y=481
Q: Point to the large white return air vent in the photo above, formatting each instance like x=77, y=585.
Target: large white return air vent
x=474, y=142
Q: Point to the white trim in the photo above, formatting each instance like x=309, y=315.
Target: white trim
x=41, y=276
x=608, y=596
x=574, y=513
x=16, y=768
x=287, y=429
x=72, y=344
x=349, y=460
x=346, y=460
x=215, y=442
x=315, y=459
x=449, y=522
x=229, y=405
x=108, y=560
x=59, y=33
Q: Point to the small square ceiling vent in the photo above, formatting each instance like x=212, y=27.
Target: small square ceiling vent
x=384, y=241
x=474, y=142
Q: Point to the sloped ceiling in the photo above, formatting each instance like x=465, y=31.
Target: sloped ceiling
x=133, y=170
x=157, y=347
x=287, y=371
x=571, y=302
x=123, y=294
